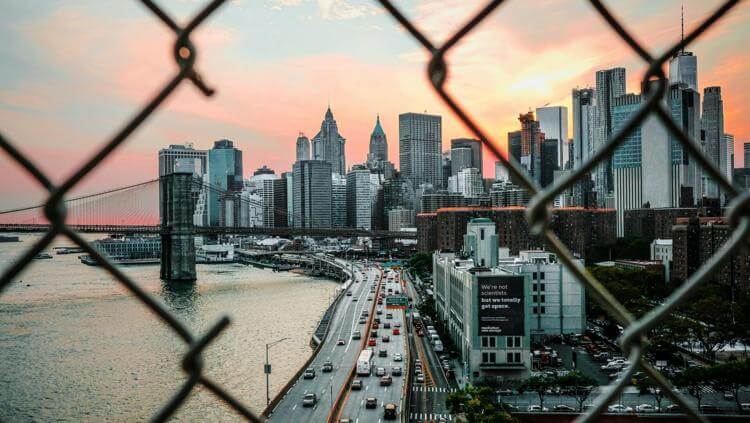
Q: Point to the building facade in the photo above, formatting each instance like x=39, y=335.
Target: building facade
x=420, y=148
x=328, y=144
x=712, y=123
x=553, y=123
x=359, y=198
x=224, y=174
x=476, y=153
x=378, y=143
x=312, y=194
x=610, y=84
x=338, y=201
x=303, y=147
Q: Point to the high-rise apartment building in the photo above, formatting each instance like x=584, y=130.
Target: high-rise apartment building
x=420, y=148
x=328, y=144
x=312, y=194
x=712, y=123
x=553, y=123
x=610, y=84
x=224, y=174
x=378, y=143
x=584, y=124
x=303, y=147
x=476, y=152
x=359, y=198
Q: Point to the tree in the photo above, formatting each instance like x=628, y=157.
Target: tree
x=577, y=385
x=477, y=405
x=646, y=386
x=709, y=321
x=730, y=377
x=421, y=263
x=538, y=384
x=693, y=379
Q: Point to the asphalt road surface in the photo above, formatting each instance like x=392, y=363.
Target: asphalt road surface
x=326, y=386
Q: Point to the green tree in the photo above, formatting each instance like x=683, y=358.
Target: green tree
x=577, y=385
x=708, y=318
x=693, y=380
x=476, y=404
x=421, y=263
x=646, y=386
x=730, y=377
x=539, y=385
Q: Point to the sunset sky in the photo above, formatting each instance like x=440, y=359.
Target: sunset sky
x=73, y=72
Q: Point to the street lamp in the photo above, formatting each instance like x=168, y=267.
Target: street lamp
x=267, y=368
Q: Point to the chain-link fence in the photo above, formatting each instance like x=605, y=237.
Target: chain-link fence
x=653, y=85
x=633, y=341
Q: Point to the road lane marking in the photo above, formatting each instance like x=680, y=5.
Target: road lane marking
x=295, y=407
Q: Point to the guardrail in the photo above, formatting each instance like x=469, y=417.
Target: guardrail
x=268, y=411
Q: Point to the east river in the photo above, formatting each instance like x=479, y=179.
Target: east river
x=75, y=345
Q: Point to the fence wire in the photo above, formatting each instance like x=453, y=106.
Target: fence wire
x=633, y=340
x=653, y=85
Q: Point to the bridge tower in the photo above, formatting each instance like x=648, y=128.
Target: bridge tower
x=176, y=219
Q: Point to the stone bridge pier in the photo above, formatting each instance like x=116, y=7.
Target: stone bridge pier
x=176, y=205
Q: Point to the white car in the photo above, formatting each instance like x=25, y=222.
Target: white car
x=380, y=371
x=534, y=408
x=619, y=408
x=646, y=408
x=398, y=357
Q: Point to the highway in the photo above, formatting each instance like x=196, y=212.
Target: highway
x=427, y=400
x=326, y=386
x=354, y=406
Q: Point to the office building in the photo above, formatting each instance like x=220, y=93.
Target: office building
x=746, y=155
x=684, y=104
x=626, y=162
x=741, y=178
x=224, y=174
x=359, y=198
x=400, y=218
x=712, y=123
x=328, y=144
x=420, y=148
x=553, y=123
x=280, y=202
x=378, y=143
x=290, y=212
x=433, y=201
x=549, y=161
x=398, y=192
x=506, y=194
x=531, y=145
x=461, y=158
x=476, y=153
x=610, y=84
x=303, y=147
x=683, y=69
x=661, y=250
x=338, y=201
x=168, y=156
x=426, y=232
x=312, y=194
x=501, y=172
x=467, y=182
x=729, y=142
x=584, y=124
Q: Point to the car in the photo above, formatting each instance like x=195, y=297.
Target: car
x=309, y=373
x=354, y=299
x=397, y=325
x=356, y=335
x=389, y=316
x=386, y=381
x=673, y=408
x=386, y=325
x=348, y=293
x=362, y=321
x=365, y=313
x=380, y=371
x=356, y=385
x=645, y=408
x=508, y=407
x=396, y=331
x=419, y=378
x=369, y=298
x=377, y=320
x=379, y=312
x=371, y=342
x=327, y=367
x=536, y=408
x=619, y=408
x=562, y=408
x=745, y=406
x=398, y=357
x=375, y=325
x=380, y=302
x=396, y=371
x=383, y=353
x=309, y=400
x=371, y=402
x=373, y=334
x=386, y=338
x=340, y=342
x=390, y=412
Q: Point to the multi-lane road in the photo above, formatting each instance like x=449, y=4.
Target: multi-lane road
x=393, y=327
x=327, y=385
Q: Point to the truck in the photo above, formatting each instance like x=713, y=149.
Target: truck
x=364, y=363
x=438, y=346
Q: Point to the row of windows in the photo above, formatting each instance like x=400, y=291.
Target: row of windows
x=541, y=276
x=537, y=298
x=539, y=310
x=511, y=357
x=510, y=341
x=537, y=287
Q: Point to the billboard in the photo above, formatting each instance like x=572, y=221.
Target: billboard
x=501, y=305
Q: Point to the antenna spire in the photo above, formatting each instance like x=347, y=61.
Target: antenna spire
x=682, y=26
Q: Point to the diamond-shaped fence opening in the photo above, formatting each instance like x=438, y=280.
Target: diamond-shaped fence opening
x=633, y=341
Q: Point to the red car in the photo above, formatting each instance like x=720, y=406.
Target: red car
x=396, y=331
x=371, y=342
x=374, y=325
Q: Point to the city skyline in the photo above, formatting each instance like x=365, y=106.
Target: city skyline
x=39, y=89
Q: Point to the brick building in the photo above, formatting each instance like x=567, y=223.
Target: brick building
x=655, y=223
x=580, y=229
x=696, y=240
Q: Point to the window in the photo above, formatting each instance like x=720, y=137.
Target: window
x=543, y=309
x=489, y=342
x=535, y=287
x=513, y=341
x=533, y=276
x=535, y=310
x=514, y=357
x=541, y=287
x=489, y=357
x=481, y=234
x=517, y=341
x=533, y=298
x=541, y=275
x=541, y=299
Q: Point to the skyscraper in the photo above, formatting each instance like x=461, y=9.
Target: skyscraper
x=168, y=157
x=549, y=161
x=684, y=104
x=358, y=198
x=610, y=84
x=584, y=124
x=626, y=161
x=303, y=147
x=531, y=146
x=420, y=148
x=328, y=144
x=514, y=145
x=312, y=194
x=378, y=143
x=746, y=155
x=683, y=67
x=224, y=174
x=476, y=152
x=461, y=158
x=729, y=142
x=712, y=123
x=553, y=122
x=338, y=201
x=398, y=191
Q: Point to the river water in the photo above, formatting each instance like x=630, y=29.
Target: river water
x=76, y=346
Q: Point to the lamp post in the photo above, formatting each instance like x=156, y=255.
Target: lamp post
x=267, y=368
